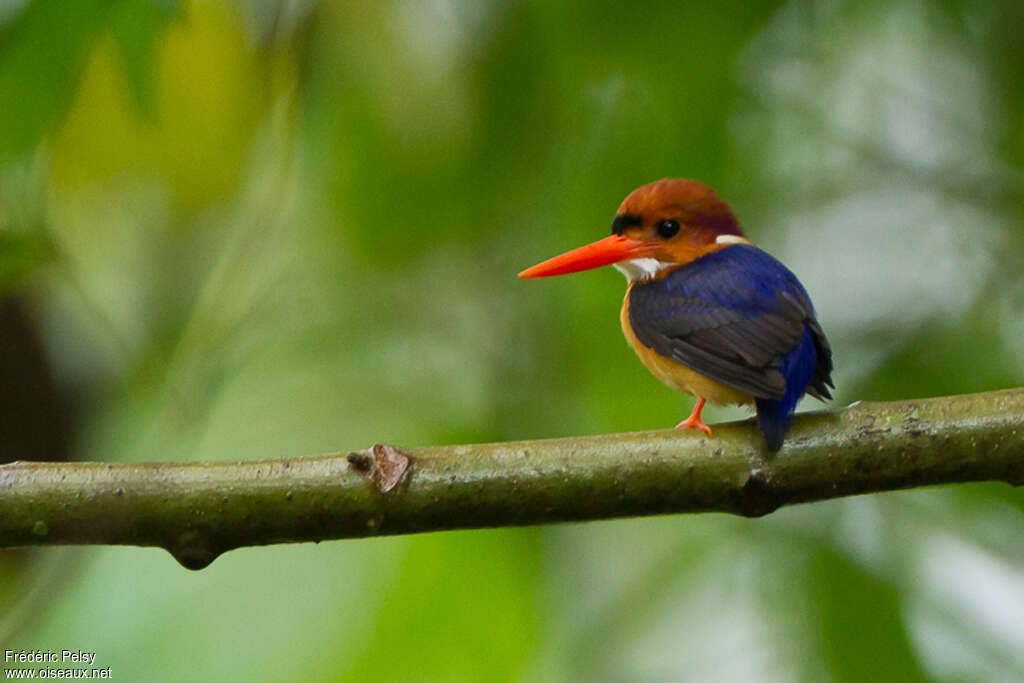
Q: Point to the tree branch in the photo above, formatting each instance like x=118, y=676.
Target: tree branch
x=196, y=511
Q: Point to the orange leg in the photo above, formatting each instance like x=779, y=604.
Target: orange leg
x=694, y=419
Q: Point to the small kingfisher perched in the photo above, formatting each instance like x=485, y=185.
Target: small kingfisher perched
x=706, y=311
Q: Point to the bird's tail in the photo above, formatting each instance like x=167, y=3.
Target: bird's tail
x=774, y=417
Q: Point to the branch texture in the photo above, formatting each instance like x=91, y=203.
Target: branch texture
x=196, y=511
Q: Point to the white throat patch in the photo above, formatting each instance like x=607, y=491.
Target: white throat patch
x=647, y=268
x=642, y=269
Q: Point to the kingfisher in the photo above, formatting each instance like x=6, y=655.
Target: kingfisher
x=705, y=310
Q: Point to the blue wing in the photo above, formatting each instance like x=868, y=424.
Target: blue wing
x=741, y=318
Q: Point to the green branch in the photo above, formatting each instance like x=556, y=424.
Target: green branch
x=196, y=511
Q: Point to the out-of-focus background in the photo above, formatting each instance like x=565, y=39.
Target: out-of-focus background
x=265, y=229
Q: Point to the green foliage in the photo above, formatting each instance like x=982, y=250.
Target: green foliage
x=20, y=254
x=863, y=631
x=42, y=52
x=137, y=27
x=500, y=571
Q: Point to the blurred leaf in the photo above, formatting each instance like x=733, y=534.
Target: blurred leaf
x=946, y=357
x=203, y=96
x=41, y=54
x=21, y=252
x=460, y=609
x=863, y=633
x=1001, y=40
x=137, y=26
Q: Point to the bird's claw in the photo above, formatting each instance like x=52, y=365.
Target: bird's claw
x=694, y=422
x=694, y=419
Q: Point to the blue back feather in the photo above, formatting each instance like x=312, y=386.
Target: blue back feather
x=749, y=282
x=751, y=288
x=741, y=277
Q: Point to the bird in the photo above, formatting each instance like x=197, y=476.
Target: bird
x=706, y=311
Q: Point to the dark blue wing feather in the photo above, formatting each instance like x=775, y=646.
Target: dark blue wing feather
x=741, y=318
x=798, y=366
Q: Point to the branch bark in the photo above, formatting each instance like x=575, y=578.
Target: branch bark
x=196, y=511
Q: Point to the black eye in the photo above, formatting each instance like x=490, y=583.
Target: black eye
x=668, y=228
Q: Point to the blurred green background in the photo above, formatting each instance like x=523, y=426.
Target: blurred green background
x=265, y=229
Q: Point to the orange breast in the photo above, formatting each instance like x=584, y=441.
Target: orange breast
x=674, y=373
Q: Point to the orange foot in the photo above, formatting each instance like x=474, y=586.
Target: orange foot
x=694, y=419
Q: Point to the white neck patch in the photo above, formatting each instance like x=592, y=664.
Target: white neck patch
x=647, y=268
x=642, y=269
x=731, y=239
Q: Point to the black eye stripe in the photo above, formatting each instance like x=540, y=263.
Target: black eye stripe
x=625, y=220
x=668, y=228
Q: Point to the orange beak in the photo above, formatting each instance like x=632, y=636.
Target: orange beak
x=604, y=252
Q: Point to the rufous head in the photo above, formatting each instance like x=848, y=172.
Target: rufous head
x=659, y=226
